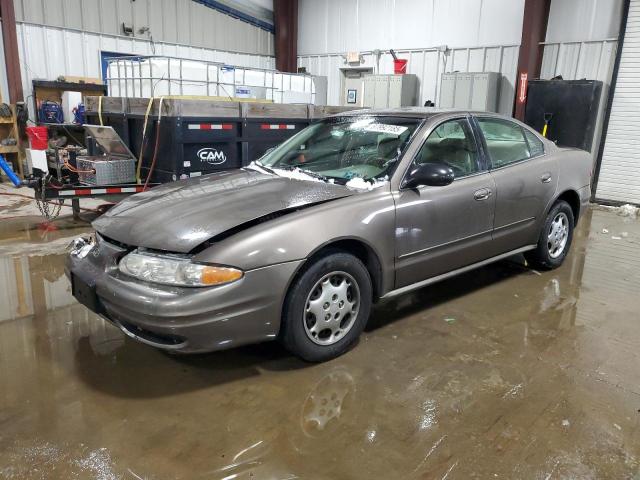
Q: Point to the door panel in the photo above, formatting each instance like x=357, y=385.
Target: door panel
x=524, y=185
x=439, y=229
x=523, y=192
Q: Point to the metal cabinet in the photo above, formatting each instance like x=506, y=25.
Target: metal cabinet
x=470, y=91
x=389, y=91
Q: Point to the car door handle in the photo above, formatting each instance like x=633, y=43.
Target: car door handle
x=482, y=194
x=545, y=178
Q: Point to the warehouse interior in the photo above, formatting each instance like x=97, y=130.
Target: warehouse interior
x=502, y=371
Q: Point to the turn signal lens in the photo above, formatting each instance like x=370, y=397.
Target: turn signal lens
x=218, y=275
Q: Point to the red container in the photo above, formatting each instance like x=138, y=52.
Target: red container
x=38, y=138
x=400, y=66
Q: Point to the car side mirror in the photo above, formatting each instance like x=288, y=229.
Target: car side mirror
x=430, y=174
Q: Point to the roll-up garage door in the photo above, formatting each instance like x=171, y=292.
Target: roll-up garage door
x=619, y=178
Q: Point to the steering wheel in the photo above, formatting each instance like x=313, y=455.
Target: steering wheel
x=379, y=162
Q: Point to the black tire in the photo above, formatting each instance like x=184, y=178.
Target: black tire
x=294, y=333
x=544, y=257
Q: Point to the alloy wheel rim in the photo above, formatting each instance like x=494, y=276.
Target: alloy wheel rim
x=558, y=235
x=331, y=308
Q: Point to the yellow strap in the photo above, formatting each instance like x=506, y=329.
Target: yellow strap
x=544, y=130
x=100, y=110
x=160, y=110
x=144, y=132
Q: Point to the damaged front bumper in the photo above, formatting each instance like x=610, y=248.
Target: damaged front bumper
x=180, y=319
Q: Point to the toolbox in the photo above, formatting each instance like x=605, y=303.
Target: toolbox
x=116, y=165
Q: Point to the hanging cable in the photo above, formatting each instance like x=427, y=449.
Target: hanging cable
x=142, y=143
x=76, y=170
x=155, y=149
x=100, y=110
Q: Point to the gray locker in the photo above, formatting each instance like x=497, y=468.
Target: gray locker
x=447, y=90
x=470, y=91
x=390, y=91
x=381, y=93
x=462, y=92
x=369, y=93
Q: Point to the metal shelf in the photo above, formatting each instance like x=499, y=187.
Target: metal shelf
x=54, y=84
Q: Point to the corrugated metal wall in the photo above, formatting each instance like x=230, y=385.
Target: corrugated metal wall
x=48, y=52
x=66, y=37
x=336, y=26
x=482, y=35
x=428, y=65
x=575, y=60
x=171, y=21
x=583, y=20
x=581, y=39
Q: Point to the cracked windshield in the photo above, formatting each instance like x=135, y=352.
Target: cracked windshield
x=343, y=150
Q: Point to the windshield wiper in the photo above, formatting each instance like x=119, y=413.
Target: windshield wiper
x=311, y=173
x=290, y=168
x=264, y=167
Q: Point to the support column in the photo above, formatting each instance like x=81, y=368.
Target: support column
x=534, y=30
x=12, y=60
x=285, y=15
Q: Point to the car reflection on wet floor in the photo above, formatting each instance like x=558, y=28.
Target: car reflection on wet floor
x=502, y=371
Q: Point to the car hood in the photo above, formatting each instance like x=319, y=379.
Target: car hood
x=179, y=216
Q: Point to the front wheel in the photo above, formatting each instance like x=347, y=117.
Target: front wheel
x=327, y=307
x=555, y=238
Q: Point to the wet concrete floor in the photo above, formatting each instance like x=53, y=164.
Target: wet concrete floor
x=500, y=373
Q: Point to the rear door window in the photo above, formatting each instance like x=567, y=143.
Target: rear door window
x=506, y=143
x=536, y=147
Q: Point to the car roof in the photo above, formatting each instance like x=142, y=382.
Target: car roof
x=414, y=112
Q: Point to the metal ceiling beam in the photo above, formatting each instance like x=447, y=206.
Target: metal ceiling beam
x=285, y=15
x=534, y=30
x=241, y=13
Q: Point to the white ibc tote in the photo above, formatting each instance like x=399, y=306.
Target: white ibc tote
x=144, y=77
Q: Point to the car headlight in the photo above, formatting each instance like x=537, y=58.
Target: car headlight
x=81, y=246
x=170, y=270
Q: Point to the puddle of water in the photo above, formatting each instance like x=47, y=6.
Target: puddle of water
x=537, y=377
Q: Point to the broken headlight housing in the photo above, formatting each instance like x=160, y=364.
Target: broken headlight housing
x=176, y=270
x=81, y=246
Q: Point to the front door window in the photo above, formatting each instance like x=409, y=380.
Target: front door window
x=452, y=144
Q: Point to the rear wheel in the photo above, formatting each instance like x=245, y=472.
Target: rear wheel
x=555, y=238
x=326, y=307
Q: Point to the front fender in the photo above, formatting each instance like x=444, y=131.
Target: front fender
x=368, y=217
